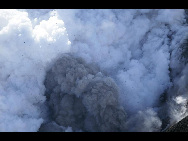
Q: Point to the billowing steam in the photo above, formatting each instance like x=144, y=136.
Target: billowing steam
x=92, y=69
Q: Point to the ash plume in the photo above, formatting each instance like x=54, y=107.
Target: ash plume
x=81, y=97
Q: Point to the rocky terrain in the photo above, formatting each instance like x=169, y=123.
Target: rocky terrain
x=181, y=126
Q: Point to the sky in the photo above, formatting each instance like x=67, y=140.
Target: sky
x=137, y=51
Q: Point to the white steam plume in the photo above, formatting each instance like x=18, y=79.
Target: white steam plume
x=134, y=47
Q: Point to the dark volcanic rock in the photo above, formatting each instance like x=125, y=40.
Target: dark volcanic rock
x=181, y=126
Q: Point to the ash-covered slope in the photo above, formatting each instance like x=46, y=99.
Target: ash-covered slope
x=181, y=126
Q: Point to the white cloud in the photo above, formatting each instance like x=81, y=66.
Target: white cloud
x=23, y=64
